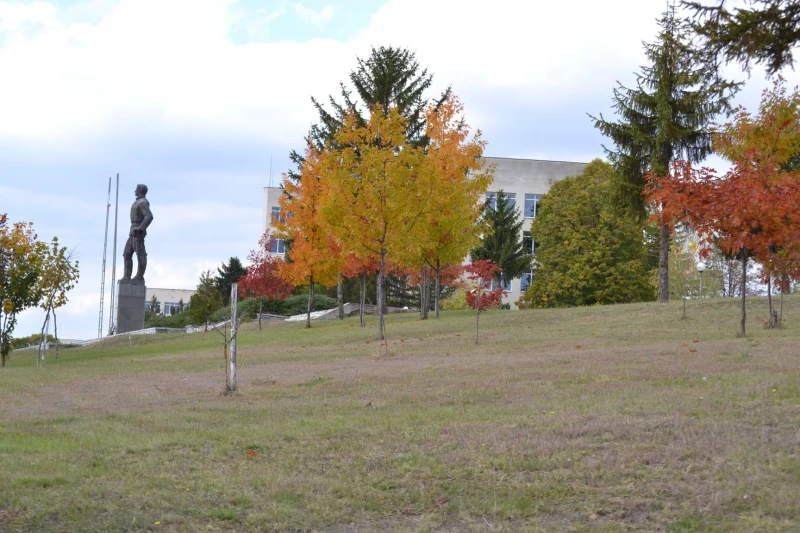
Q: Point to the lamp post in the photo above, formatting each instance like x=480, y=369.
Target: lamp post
x=701, y=267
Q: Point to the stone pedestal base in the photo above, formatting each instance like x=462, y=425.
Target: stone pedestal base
x=130, y=305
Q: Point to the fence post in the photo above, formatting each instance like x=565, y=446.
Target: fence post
x=234, y=328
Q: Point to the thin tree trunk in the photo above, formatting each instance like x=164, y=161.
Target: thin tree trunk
x=663, y=265
x=772, y=323
x=310, y=301
x=340, y=297
x=477, y=324
x=783, y=285
x=381, y=295
x=260, y=310
x=43, y=339
x=362, y=281
x=55, y=330
x=424, y=291
x=437, y=289
x=744, y=291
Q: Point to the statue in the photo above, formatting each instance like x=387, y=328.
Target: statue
x=141, y=217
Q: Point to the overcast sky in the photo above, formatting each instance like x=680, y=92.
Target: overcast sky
x=195, y=97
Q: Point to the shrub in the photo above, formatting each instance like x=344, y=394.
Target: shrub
x=458, y=301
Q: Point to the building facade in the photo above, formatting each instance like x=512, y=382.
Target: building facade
x=169, y=301
x=523, y=182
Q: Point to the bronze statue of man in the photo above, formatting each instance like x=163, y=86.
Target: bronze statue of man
x=141, y=217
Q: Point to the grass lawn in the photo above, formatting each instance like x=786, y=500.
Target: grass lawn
x=617, y=418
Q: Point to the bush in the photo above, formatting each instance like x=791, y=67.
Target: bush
x=458, y=301
x=296, y=305
x=181, y=320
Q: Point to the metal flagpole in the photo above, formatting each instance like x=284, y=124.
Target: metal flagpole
x=103, y=278
x=112, y=328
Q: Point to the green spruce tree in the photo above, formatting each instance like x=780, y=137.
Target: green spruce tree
x=666, y=117
x=227, y=275
x=503, y=243
x=390, y=77
x=760, y=31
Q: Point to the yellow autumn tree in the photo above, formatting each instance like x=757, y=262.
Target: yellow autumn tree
x=379, y=192
x=454, y=163
x=314, y=254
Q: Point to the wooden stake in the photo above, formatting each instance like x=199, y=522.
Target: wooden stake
x=234, y=328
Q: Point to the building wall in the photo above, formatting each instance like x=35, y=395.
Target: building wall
x=168, y=299
x=513, y=176
x=527, y=176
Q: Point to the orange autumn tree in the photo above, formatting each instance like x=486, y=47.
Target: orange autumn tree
x=314, y=253
x=754, y=209
x=454, y=161
x=378, y=193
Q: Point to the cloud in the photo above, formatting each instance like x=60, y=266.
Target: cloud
x=317, y=18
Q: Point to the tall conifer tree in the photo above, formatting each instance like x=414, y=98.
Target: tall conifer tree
x=503, y=243
x=389, y=77
x=666, y=117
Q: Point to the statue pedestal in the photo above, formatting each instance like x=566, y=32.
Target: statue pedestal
x=130, y=305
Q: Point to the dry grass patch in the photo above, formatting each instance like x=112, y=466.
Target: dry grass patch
x=617, y=418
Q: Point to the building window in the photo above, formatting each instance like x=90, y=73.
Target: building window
x=531, y=203
x=491, y=199
x=277, y=246
x=527, y=242
x=525, y=281
x=511, y=198
x=276, y=215
x=505, y=285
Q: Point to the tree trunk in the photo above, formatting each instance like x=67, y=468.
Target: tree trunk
x=423, y=294
x=784, y=284
x=744, y=291
x=260, y=310
x=477, y=324
x=43, y=339
x=55, y=330
x=437, y=289
x=310, y=301
x=381, y=295
x=340, y=297
x=772, y=323
x=362, y=281
x=663, y=265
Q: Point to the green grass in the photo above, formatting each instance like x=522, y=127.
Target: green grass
x=618, y=418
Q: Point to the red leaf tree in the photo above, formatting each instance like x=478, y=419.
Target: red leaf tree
x=262, y=280
x=483, y=297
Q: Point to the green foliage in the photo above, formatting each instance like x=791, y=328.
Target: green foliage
x=33, y=340
x=180, y=320
x=227, y=275
x=458, y=301
x=589, y=252
x=666, y=116
x=766, y=34
x=503, y=243
x=389, y=77
x=205, y=301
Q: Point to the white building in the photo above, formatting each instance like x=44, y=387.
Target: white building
x=169, y=300
x=523, y=182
